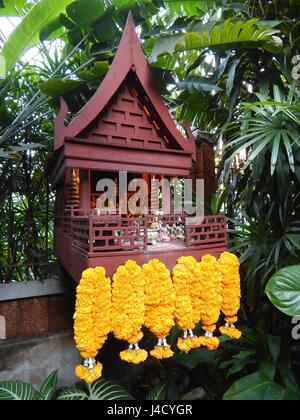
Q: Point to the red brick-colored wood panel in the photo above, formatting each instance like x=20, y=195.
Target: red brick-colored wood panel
x=205, y=168
x=127, y=122
x=85, y=154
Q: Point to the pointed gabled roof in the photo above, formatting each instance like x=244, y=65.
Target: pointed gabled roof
x=129, y=56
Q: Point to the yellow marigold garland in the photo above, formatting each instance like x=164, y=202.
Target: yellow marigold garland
x=231, y=292
x=89, y=373
x=128, y=309
x=160, y=305
x=147, y=296
x=187, y=306
x=92, y=320
x=210, y=283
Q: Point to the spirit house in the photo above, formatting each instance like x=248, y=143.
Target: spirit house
x=125, y=128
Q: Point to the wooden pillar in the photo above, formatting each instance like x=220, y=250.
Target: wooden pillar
x=84, y=176
x=147, y=179
x=166, y=193
x=154, y=196
x=205, y=168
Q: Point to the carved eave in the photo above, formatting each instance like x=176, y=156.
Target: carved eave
x=129, y=57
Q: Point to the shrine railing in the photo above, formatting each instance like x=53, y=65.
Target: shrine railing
x=110, y=234
x=93, y=234
x=211, y=232
x=67, y=222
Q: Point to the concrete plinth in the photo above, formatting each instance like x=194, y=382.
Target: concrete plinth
x=32, y=360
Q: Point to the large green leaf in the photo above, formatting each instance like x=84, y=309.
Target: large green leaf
x=72, y=394
x=269, y=128
x=288, y=395
x=85, y=11
x=190, y=7
x=98, y=391
x=194, y=358
x=26, y=34
x=108, y=390
x=283, y=290
x=165, y=44
x=17, y=390
x=232, y=34
x=49, y=386
x=158, y=392
x=254, y=387
x=227, y=35
x=10, y=8
x=274, y=343
x=295, y=239
x=197, y=84
x=56, y=87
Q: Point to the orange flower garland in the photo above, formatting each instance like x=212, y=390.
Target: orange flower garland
x=160, y=305
x=210, y=282
x=92, y=320
x=128, y=307
x=231, y=292
x=147, y=296
x=185, y=308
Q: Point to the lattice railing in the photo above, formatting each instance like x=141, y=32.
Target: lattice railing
x=93, y=234
x=210, y=233
x=67, y=222
x=110, y=234
x=81, y=233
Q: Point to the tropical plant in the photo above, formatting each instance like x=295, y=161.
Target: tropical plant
x=266, y=239
x=101, y=390
x=259, y=386
x=283, y=290
x=17, y=390
x=265, y=365
x=270, y=130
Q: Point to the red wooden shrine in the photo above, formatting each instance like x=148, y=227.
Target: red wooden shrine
x=124, y=127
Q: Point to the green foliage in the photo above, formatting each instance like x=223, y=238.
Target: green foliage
x=196, y=83
x=48, y=388
x=273, y=379
x=226, y=35
x=11, y=8
x=158, y=392
x=26, y=35
x=100, y=390
x=189, y=7
x=283, y=290
x=17, y=390
x=196, y=357
x=73, y=394
x=258, y=386
x=262, y=237
x=267, y=128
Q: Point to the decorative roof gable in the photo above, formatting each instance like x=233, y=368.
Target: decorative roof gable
x=129, y=64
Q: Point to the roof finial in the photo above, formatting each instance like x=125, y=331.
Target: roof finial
x=130, y=17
